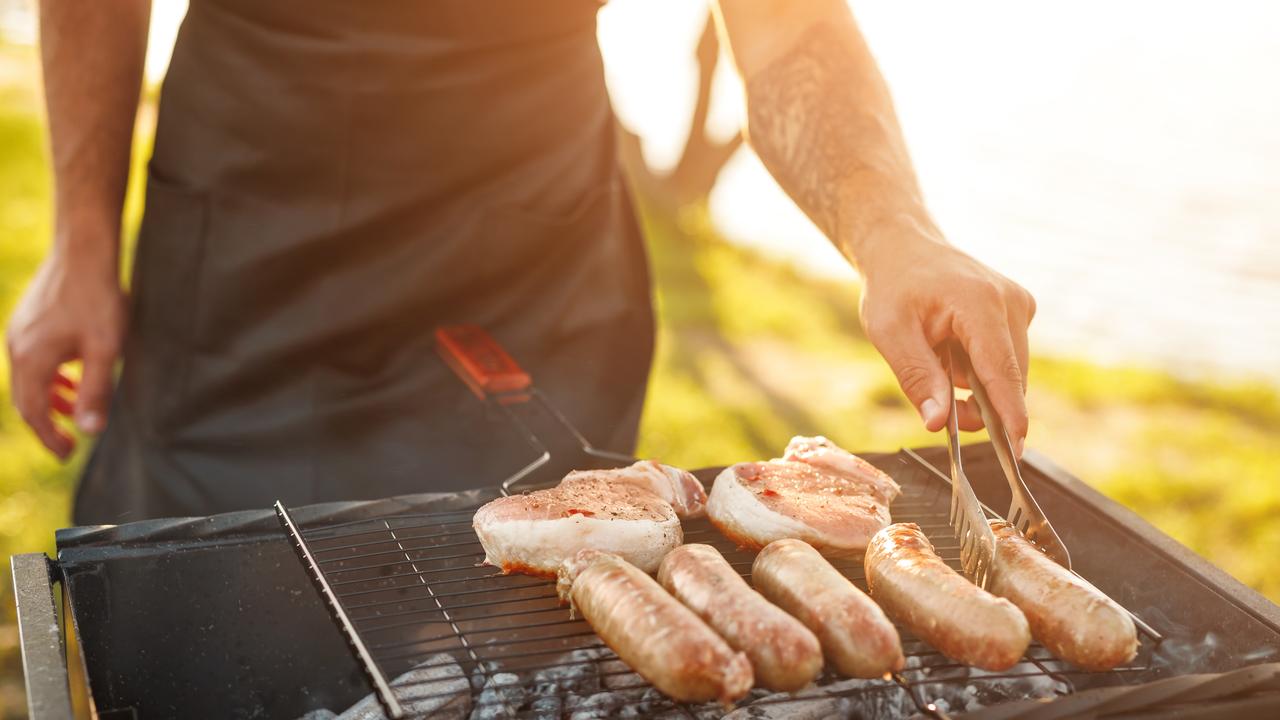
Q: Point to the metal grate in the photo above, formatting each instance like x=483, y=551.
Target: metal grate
x=409, y=587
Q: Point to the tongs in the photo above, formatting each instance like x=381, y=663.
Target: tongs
x=1024, y=512
x=977, y=547
x=977, y=542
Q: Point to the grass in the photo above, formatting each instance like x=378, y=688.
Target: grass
x=750, y=353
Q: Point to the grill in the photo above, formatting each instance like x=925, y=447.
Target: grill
x=411, y=586
x=274, y=614
x=217, y=617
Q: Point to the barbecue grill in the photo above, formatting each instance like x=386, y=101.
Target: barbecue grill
x=279, y=612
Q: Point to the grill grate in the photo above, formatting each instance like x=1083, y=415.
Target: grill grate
x=406, y=588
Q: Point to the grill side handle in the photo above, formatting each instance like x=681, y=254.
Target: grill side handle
x=44, y=656
x=495, y=377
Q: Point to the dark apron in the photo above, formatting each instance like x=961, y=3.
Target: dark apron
x=332, y=180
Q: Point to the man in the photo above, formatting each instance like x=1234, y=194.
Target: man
x=332, y=180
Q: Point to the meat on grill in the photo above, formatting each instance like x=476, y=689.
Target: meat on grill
x=856, y=636
x=678, y=487
x=960, y=619
x=662, y=640
x=826, y=455
x=818, y=493
x=534, y=533
x=783, y=653
x=1072, y=618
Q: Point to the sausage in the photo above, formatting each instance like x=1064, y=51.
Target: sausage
x=783, y=653
x=651, y=631
x=855, y=634
x=1072, y=618
x=960, y=619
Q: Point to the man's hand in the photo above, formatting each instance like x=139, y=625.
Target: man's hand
x=920, y=293
x=73, y=310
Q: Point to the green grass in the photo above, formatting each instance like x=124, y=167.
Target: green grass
x=750, y=353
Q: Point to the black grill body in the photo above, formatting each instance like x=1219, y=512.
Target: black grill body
x=210, y=617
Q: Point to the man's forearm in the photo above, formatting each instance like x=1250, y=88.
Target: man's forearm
x=93, y=55
x=821, y=119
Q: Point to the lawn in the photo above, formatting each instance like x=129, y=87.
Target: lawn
x=749, y=353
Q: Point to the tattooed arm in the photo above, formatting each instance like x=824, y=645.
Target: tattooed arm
x=820, y=117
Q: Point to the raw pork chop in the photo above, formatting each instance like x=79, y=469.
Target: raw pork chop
x=534, y=533
x=826, y=455
x=818, y=493
x=679, y=488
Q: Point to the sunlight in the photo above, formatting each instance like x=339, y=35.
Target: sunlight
x=165, y=18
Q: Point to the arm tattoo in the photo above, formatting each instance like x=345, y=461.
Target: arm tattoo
x=811, y=130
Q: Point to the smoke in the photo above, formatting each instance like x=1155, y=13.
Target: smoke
x=1186, y=650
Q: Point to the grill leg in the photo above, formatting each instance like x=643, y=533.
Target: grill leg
x=44, y=658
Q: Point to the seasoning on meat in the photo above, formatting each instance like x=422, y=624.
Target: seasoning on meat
x=534, y=533
x=678, y=487
x=817, y=492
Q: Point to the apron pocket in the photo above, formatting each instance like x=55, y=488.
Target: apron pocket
x=170, y=246
x=165, y=289
x=561, y=272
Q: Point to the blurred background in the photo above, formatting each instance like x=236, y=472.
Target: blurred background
x=1122, y=161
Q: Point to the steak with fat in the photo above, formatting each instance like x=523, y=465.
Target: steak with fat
x=534, y=533
x=818, y=493
x=678, y=487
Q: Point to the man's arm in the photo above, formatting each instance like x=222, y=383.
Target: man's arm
x=820, y=117
x=93, y=56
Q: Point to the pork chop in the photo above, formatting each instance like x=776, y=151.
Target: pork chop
x=534, y=533
x=819, y=493
x=826, y=455
x=679, y=488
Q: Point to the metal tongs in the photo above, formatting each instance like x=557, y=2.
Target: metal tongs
x=977, y=543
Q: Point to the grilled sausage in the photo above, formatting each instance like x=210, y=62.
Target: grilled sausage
x=855, y=634
x=783, y=653
x=960, y=619
x=651, y=631
x=1073, y=619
